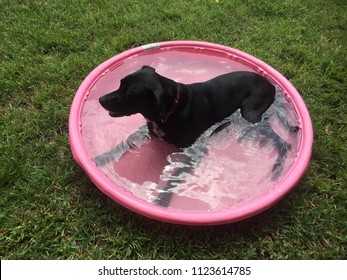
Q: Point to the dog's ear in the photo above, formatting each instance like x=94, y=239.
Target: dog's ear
x=146, y=67
x=156, y=96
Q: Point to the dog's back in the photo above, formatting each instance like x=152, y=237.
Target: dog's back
x=210, y=102
x=250, y=92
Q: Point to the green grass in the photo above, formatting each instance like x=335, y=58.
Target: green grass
x=49, y=209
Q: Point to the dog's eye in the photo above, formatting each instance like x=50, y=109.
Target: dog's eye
x=130, y=91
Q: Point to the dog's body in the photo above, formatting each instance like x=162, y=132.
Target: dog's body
x=180, y=113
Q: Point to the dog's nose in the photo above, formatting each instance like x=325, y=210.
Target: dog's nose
x=103, y=101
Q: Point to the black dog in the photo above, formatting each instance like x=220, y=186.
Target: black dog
x=180, y=113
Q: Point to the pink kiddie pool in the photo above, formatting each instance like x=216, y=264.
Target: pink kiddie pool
x=230, y=175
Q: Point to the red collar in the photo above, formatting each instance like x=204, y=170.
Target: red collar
x=173, y=107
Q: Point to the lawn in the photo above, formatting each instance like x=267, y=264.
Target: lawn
x=49, y=209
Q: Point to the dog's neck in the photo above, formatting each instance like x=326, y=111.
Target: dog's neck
x=173, y=106
x=155, y=128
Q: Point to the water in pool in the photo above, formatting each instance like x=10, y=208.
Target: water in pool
x=222, y=170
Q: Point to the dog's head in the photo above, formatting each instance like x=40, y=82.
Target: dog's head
x=140, y=92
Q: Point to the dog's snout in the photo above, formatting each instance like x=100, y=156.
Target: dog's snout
x=108, y=100
x=103, y=100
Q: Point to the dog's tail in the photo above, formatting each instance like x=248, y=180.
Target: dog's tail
x=191, y=160
x=165, y=195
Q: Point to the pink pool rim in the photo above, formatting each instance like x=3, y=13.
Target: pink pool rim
x=228, y=215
